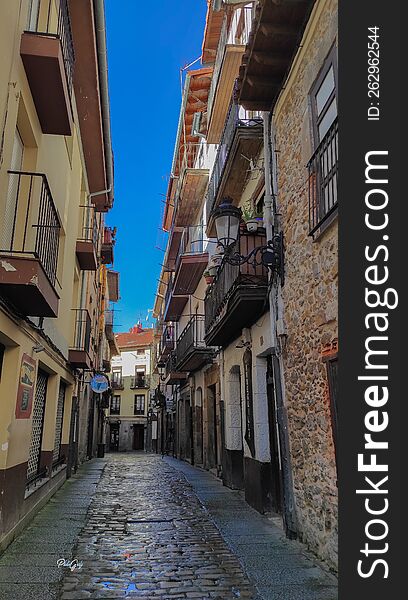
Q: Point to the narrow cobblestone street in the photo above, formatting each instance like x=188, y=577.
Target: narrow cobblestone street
x=156, y=528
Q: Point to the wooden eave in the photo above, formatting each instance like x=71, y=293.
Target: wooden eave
x=212, y=32
x=276, y=34
x=191, y=195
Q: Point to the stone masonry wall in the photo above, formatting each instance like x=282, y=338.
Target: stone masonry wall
x=310, y=301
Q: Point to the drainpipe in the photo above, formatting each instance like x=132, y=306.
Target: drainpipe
x=276, y=319
x=100, y=28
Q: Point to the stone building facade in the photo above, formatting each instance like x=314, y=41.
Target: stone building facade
x=309, y=294
x=260, y=411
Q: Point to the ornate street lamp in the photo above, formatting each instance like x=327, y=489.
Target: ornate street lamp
x=227, y=219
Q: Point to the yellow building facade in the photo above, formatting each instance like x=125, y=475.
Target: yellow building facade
x=55, y=188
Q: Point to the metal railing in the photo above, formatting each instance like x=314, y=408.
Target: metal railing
x=167, y=339
x=117, y=383
x=234, y=31
x=45, y=19
x=82, y=331
x=192, y=242
x=237, y=118
x=90, y=228
x=30, y=223
x=229, y=277
x=191, y=337
x=109, y=236
x=171, y=364
x=323, y=169
x=140, y=382
x=109, y=317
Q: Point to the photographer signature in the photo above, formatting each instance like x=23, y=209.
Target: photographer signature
x=71, y=564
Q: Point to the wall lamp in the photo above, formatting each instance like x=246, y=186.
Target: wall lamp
x=227, y=219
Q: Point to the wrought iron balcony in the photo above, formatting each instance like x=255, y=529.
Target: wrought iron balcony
x=173, y=304
x=172, y=375
x=87, y=243
x=323, y=169
x=29, y=245
x=238, y=296
x=165, y=345
x=47, y=53
x=108, y=243
x=142, y=381
x=191, y=349
x=79, y=352
x=241, y=141
x=117, y=382
x=191, y=261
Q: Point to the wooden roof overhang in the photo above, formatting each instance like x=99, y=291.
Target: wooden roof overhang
x=192, y=190
x=212, y=32
x=276, y=33
x=88, y=100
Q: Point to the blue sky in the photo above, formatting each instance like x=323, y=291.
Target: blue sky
x=148, y=43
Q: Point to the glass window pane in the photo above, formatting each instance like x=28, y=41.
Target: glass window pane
x=328, y=119
x=325, y=90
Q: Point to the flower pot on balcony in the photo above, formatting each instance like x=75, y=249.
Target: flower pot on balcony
x=252, y=225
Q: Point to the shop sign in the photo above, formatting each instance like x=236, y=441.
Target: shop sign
x=26, y=385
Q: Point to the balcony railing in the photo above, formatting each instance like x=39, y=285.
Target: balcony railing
x=167, y=340
x=191, y=342
x=89, y=231
x=140, y=382
x=108, y=243
x=192, y=242
x=117, y=383
x=82, y=331
x=237, y=296
x=30, y=224
x=235, y=31
x=237, y=118
x=323, y=169
x=54, y=22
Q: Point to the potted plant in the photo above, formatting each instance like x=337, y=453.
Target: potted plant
x=253, y=218
x=208, y=277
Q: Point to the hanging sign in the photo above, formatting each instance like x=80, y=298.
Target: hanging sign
x=25, y=391
x=99, y=383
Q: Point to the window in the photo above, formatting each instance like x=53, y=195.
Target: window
x=323, y=164
x=139, y=404
x=117, y=377
x=140, y=352
x=115, y=405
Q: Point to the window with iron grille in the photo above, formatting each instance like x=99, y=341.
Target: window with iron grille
x=115, y=405
x=37, y=428
x=332, y=376
x=323, y=165
x=56, y=455
x=139, y=404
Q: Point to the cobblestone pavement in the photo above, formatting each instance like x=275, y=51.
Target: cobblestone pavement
x=153, y=528
x=148, y=536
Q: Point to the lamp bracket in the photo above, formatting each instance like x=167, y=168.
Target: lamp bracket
x=270, y=255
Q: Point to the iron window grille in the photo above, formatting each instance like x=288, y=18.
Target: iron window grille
x=56, y=455
x=33, y=468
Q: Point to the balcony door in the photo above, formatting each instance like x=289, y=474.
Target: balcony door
x=12, y=193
